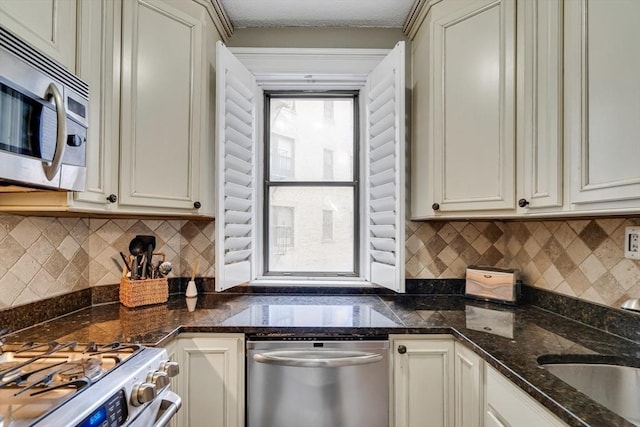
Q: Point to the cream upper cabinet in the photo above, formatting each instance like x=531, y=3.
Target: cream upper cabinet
x=602, y=104
x=508, y=406
x=467, y=133
x=423, y=386
x=99, y=65
x=468, y=385
x=211, y=380
x=576, y=147
x=163, y=121
x=150, y=65
x=161, y=105
x=48, y=25
x=539, y=106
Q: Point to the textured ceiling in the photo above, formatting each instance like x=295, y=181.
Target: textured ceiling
x=317, y=13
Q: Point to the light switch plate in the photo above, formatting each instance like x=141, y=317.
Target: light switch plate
x=632, y=242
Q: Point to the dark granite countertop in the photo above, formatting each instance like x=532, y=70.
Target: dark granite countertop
x=508, y=338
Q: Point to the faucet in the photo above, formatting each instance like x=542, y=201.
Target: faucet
x=632, y=304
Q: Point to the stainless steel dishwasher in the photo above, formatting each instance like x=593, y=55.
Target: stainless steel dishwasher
x=315, y=382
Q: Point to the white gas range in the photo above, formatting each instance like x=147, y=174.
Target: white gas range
x=91, y=385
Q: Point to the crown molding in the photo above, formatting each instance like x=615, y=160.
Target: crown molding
x=416, y=16
x=219, y=17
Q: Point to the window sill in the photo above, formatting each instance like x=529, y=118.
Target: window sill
x=313, y=282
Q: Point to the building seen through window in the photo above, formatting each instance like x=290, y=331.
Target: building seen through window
x=311, y=171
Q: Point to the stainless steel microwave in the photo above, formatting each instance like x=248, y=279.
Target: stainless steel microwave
x=43, y=119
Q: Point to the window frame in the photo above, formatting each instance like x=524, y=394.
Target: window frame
x=355, y=183
x=242, y=75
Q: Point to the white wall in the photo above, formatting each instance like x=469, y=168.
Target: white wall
x=314, y=37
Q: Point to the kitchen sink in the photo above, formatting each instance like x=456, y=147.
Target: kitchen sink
x=612, y=381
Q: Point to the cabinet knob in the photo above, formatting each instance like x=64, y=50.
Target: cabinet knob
x=402, y=349
x=435, y=206
x=523, y=202
x=112, y=198
x=197, y=205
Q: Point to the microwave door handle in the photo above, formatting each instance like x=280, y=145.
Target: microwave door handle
x=51, y=169
x=325, y=359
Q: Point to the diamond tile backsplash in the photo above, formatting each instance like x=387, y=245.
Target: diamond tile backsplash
x=581, y=258
x=440, y=249
x=42, y=257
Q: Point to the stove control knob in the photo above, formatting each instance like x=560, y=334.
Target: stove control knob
x=143, y=393
x=171, y=368
x=159, y=378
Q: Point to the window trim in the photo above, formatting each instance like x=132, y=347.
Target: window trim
x=241, y=83
x=358, y=233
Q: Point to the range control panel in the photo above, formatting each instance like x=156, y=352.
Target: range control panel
x=113, y=413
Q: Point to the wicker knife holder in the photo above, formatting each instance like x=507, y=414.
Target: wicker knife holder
x=134, y=293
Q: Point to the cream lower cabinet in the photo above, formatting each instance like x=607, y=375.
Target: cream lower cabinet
x=48, y=25
x=468, y=380
x=211, y=380
x=440, y=382
x=422, y=381
x=508, y=406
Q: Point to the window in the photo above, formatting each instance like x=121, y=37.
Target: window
x=327, y=225
x=282, y=155
x=312, y=188
x=281, y=229
x=327, y=164
x=295, y=185
x=328, y=109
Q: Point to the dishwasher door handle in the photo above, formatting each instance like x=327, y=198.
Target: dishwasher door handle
x=317, y=359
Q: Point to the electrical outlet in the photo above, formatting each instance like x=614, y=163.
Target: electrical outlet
x=632, y=242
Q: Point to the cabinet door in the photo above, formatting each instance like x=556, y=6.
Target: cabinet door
x=99, y=65
x=540, y=105
x=507, y=405
x=602, y=106
x=422, y=381
x=468, y=385
x=48, y=25
x=211, y=380
x=472, y=111
x=162, y=53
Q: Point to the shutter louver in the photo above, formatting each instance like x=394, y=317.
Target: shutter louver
x=385, y=171
x=235, y=227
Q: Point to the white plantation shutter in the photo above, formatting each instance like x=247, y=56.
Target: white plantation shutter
x=236, y=100
x=385, y=171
